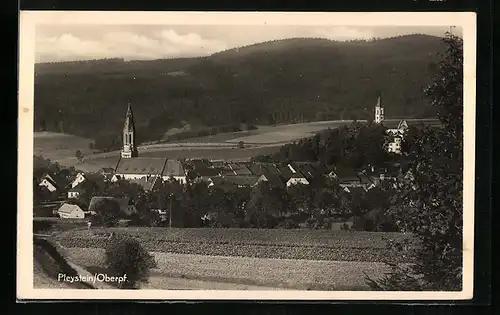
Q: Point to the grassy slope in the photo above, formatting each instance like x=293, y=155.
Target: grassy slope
x=50, y=260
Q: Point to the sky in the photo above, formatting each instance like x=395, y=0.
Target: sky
x=145, y=42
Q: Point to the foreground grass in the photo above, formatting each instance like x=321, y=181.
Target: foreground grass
x=282, y=244
x=213, y=272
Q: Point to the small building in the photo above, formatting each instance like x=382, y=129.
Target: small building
x=75, y=192
x=80, y=178
x=69, y=211
x=296, y=179
x=48, y=183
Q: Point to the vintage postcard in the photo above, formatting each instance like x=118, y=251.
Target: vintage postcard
x=234, y=156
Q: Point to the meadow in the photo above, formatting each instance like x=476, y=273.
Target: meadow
x=304, y=244
x=57, y=146
x=244, y=259
x=178, y=271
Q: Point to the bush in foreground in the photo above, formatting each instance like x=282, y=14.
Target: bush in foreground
x=126, y=256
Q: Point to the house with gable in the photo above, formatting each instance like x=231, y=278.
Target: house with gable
x=70, y=211
x=75, y=192
x=297, y=179
x=79, y=178
x=55, y=184
x=174, y=169
x=273, y=180
x=49, y=183
x=348, y=178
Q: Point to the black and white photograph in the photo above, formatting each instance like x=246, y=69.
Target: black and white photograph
x=224, y=155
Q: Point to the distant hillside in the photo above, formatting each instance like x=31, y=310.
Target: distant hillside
x=278, y=81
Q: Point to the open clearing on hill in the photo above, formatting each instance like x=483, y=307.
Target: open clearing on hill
x=55, y=146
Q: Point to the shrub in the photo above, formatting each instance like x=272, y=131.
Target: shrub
x=127, y=257
x=108, y=212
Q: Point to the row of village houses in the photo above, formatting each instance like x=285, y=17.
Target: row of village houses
x=148, y=172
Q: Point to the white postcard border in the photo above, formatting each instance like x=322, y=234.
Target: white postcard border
x=29, y=19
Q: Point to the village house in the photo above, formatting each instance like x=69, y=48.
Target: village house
x=79, y=178
x=273, y=180
x=348, y=178
x=52, y=182
x=70, y=211
x=297, y=179
x=285, y=173
x=48, y=183
x=75, y=192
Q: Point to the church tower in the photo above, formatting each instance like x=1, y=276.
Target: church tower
x=379, y=111
x=129, y=149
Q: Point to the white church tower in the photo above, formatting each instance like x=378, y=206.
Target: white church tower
x=129, y=149
x=379, y=111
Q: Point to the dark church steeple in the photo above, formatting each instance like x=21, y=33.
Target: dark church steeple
x=129, y=149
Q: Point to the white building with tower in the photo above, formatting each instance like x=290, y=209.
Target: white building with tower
x=145, y=171
x=395, y=129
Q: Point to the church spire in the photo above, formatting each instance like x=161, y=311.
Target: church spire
x=129, y=120
x=129, y=149
x=379, y=110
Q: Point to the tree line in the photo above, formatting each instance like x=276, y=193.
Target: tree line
x=354, y=146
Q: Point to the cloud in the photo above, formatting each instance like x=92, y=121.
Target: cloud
x=343, y=33
x=123, y=44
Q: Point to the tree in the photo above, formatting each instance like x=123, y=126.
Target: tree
x=127, y=258
x=429, y=203
x=108, y=212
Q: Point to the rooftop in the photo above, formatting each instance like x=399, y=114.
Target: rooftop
x=173, y=168
x=141, y=165
x=68, y=208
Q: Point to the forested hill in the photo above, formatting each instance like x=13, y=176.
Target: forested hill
x=278, y=81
